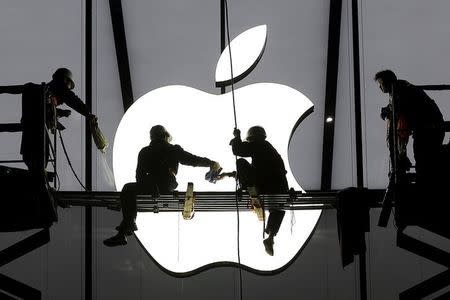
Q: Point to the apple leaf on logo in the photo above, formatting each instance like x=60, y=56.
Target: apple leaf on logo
x=247, y=50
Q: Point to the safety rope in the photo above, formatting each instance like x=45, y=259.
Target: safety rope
x=235, y=127
x=231, y=63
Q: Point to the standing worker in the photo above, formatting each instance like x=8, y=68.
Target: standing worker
x=417, y=114
x=58, y=91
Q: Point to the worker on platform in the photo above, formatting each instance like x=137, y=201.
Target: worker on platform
x=266, y=172
x=418, y=115
x=156, y=172
x=56, y=92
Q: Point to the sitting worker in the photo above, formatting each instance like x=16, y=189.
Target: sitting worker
x=58, y=91
x=155, y=173
x=266, y=172
x=417, y=114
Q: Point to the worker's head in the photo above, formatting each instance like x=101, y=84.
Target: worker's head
x=256, y=133
x=385, y=80
x=63, y=77
x=159, y=133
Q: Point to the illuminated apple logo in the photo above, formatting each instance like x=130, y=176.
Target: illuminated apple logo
x=202, y=124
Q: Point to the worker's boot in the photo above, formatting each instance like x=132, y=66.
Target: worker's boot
x=118, y=240
x=268, y=245
x=127, y=227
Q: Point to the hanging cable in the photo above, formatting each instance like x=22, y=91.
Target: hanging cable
x=58, y=186
x=69, y=162
x=235, y=127
x=231, y=63
x=53, y=161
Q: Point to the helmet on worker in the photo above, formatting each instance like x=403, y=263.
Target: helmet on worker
x=158, y=132
x=256, y=133
x=63, y=76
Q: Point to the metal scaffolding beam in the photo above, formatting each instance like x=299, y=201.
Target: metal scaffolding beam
x=212, y=201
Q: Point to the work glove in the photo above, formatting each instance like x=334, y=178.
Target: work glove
x=237, y=133
x=63, y=112
x=92, y=119
x=385, y=112
x=215, y=166
x=237, y=136
x=213, y=174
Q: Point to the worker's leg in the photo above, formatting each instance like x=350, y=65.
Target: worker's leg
x=273, y=225
x=427, y=147
x=274, y=221
x=245, y=173
x=129, y=211
x=128, y=205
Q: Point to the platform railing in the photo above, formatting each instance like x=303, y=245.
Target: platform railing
x=212, y=201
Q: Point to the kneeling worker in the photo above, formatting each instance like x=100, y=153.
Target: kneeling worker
x=155, y=173
x=266, y=172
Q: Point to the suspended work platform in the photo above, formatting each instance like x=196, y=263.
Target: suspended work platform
x=213, y=201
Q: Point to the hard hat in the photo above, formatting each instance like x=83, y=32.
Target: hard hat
x=64, y=75
x=158, y=132
x=256, y=133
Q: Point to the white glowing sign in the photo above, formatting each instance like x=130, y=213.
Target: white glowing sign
x=202, y=124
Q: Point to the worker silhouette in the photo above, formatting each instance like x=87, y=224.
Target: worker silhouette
x=155, y=173
x=266, y=172
x=417, y=115
x=58, y=91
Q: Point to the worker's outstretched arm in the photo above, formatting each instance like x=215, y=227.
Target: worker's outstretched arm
x=73, y=101
x=11, y=89
x=189, y=159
